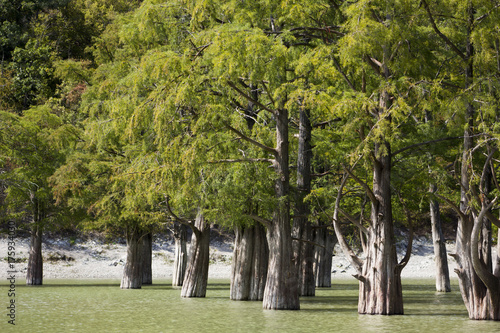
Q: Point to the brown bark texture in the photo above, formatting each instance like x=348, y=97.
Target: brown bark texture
x=440, y=255
x=147, y=258
x=380, y=290
x=34, y=275
x=302, y=229
x=132, y=272
x=249, y=266
x=180, y=255
x=323, y=256
x=281, y=292
x=196, y=276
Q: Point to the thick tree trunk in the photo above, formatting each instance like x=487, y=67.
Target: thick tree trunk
x=323, y=257
x=440, y=257
x=180, y=256
x=196, y=276
x=34, y=276
x=281, y=292
x=481, y=301
x=132, y=272
x=249, y=267
x=302, y=229
x=147, y=258
x=380, y=290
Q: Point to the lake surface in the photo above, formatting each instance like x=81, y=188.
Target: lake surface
x=101, y=306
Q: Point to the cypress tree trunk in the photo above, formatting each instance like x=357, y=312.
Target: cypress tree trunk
x=196, y=276
x=249, y=266
x=180, y=256
x=281, y=292
x=442, y=272
x=380, y=290
x=132, y=272
x=147, y=257
x=480, y=289
x=34, y=275
x=323, y=256
x=302, y=229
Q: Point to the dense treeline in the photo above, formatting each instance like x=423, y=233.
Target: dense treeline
x=267, y=118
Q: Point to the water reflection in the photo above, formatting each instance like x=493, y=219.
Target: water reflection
x=90, y=306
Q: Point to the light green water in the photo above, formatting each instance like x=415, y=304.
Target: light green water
x=101, y=306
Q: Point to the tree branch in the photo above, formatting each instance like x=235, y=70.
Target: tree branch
x=440, y=34
x=252, y=141
x=354, y=221
x=267, y=223
x=490, y=280
x=243, y=160
x=239, y=91
x=181, y=220
x=353, y=258
x=365, y=186
x=425, y=143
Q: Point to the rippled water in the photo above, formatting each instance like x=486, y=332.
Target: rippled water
x=101, y=306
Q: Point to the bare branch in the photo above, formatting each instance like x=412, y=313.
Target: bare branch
x=353, y=258
x=181, y=220
x=252, y=141
x=365, y=186
x=354, y=221
x=455, y=207
x=239, y=91
x=267, y=223
x=240, y=160
x=440, y=34
x=425, y=143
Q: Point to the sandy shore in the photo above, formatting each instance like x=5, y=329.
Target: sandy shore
x=95, y=260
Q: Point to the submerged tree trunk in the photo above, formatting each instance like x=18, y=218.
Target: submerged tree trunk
x=480, y=289
x=250, y=260
x=34, y=276
x=380, y=290
x=132, y=272
x=440, y=257
x=281, y=292
x=196, y=276
x=302, y=228
x=323, y=256
x=147, y=258
x=180, y=256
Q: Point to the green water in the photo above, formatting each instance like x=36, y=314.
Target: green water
x=101, y=306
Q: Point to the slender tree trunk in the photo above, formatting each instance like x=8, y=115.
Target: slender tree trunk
x=196, y=276
x=281, y=292
x=34, y=276
x=250, y=260
x=302, y=228
x=180, y=256
x=380, y=290
x=323, y=257
x=147, y=258
x=132, y=272
x=440, y=257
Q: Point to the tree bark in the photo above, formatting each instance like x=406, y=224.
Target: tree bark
x=302, y=228
x=440, y=257
x=479, y=293
x=281, y=292
x=380, y=290
x=323, y=257
x=250, y=260
x=180, y=256
x=34, y=275
x=196, y=276
x=132, y=272
x=147, y=258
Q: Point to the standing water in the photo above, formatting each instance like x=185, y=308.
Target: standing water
x=101, y=306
